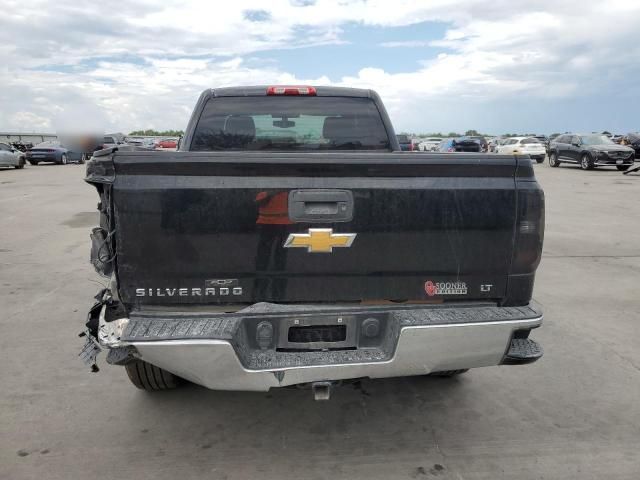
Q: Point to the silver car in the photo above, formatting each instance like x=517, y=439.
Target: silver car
x=11, y=157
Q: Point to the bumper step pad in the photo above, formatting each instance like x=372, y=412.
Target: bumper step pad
x=521, y=351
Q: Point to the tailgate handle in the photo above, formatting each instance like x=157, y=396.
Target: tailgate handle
x=313, y=206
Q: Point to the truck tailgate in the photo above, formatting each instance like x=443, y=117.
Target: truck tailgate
x=207, y=228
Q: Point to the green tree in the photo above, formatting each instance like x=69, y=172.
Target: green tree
x=471, y=133
x=158, y=133
x=431, y=134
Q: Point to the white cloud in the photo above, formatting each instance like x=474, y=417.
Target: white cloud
x=142, y=65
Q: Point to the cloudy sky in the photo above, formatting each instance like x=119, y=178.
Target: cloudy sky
x=440, y=65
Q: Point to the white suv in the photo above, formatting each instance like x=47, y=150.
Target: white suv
x=429, y=144
x=523, y=146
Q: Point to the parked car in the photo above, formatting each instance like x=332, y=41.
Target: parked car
x=461, y=144
x=148, y=143
x=523, y=146
x=589, y=151
x=135, y=141
x=471, y=144
x=405, y=142
x=494, y=143
x=429, y=144
x=633, y=140
x=446, y=145
x=55, y=152
x=285, y=302
x=484, y=145
x=168, y=143
x=11, y=156
x=542, y=138
x=551, y=138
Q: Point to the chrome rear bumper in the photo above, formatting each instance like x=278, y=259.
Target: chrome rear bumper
x=213, y=353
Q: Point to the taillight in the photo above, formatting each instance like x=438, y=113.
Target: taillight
x=529, y=234
x=291, y=90
x=529, y=228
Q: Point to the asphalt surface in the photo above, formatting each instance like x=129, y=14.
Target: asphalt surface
x=574, y=414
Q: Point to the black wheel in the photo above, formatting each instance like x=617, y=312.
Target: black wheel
x=63, y=159
x=623, y=168
x=33, y=162
x=20, y=163
x=553, y=159
x=586, y=163
x=540, y=159
x=149, y=377
x=449, y=373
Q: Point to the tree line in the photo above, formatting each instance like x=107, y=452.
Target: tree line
x=157, y=133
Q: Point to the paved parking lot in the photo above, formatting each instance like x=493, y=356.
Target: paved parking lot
x=574, y=414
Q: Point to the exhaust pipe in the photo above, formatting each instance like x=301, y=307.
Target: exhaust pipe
x=321, y=390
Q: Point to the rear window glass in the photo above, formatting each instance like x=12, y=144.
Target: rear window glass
x=290, y=123
x=403, y=139
x=530, y=140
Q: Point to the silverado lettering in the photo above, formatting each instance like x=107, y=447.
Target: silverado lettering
x=185, y=292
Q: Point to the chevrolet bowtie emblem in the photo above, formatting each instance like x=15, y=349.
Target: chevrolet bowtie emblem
x=320, y=240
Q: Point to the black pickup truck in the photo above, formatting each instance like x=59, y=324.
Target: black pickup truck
x=289, y=241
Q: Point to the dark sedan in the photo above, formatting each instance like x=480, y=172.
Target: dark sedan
x=53, y=152
x=462, y=144
x=484, y=145
x=589, y=151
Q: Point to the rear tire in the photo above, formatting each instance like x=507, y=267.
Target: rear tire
x=20, y=163
x=586, y=163
x=149, y=377
x=540, y=160
x=33, y=162
x=449, y=373
x=63, y=159
x=553, y=160
x=623, y=168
